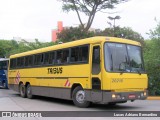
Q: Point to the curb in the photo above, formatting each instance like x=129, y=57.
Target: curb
x=153, y=98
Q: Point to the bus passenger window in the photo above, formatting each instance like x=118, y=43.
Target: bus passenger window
x=30, y=60
x=74, y=54
x=79, y=54
x=38, y=59
x=26, y=60
x=20, y=62
x=59, y=57
x=65, y=56
x=52, y=58
x=13, y=63
x=46, y=59
x=83, y=54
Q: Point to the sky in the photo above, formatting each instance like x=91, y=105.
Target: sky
x=35, y=19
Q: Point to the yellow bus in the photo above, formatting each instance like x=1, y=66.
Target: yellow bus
x=104, y=70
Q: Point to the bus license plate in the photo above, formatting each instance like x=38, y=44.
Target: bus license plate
x=132, y=96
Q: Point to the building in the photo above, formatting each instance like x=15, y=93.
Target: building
x=58, y=30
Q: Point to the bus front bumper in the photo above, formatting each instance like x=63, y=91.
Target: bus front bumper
x=124, y=96
x=104, y=97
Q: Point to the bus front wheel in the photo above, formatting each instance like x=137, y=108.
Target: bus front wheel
x=29, y=92
x=78, y=97
x=22, y=90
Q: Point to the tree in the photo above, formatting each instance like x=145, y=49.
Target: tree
x=73, y=33
x=152, y=65
x=155, y=34
x=76, y=33
x=9, y=47
x=89, y=8
x=5, y=47
x=152, y=60
x=124, y=32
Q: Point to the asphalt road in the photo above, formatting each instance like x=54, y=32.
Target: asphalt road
x=11, y=101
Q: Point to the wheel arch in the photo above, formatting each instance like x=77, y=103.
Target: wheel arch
x=19, y=85
x=73, y=87
x=27, y=84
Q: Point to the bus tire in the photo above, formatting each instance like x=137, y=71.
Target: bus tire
x=78, y=97
x=111, y=104
x=22, y=90
x=4, y=84
x=29, y=92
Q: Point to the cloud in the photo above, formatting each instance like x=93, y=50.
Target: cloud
x=36, y=18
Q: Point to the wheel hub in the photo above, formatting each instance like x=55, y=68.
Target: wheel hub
x=80, y=96
x=28, y=90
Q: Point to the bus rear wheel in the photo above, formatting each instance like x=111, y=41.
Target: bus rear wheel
x=78, y=97
x=22, y=90
x=4, y=84
x=111, y=104
x=29, y=92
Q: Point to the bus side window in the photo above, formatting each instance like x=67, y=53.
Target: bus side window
x=96, y=60
x=20, y=62
x=79, y=54
x=38, y=59
x=3, y=65
x=59, y=57
x=46, y=58
x=30, y=60
x=52, y=58
x=13, y=63
x=65, y=56
x=26, y=61
x=35, y=59
x=83, y=53
x=74, y=54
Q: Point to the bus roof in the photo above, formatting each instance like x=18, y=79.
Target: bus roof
x=4, y=59
x=91, y=40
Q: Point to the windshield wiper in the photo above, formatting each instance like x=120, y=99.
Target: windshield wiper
x=138, y=71
x=111, y=63
x=121, y=72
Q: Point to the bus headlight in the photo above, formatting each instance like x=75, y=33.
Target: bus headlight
x=116, y=96
x=145, y=93
x=113, y=96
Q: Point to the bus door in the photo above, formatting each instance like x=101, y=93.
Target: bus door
x=96, y=82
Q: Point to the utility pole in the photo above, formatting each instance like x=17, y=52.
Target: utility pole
x=114, y=19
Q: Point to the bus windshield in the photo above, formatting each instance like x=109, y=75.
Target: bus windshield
x=123, y=58
x=3, y=65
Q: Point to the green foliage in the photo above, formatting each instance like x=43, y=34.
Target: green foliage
x=76, y=33
x=124, y=32
x=152, y=60
x=73, y=33
x=152, y=65
x=9, y=47
x=155, y=34
x=89, y=8
x=5, y=46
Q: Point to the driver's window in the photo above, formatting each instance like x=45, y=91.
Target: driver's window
x=96, y=60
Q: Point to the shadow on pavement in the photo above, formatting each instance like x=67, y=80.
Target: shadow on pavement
x=102, y=107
